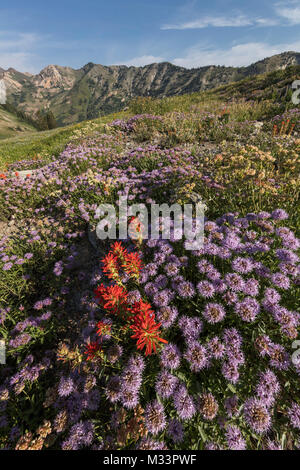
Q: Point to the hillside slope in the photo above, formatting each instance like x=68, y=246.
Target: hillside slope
x=272, y=91
x=11, y=125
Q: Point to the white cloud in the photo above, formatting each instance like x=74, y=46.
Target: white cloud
x=143, y=60
x=237, y=56
x=20, y=61
x=266, y=22
x=16, y=50
x=23, y=41
x=292, y=14
x=221, y=22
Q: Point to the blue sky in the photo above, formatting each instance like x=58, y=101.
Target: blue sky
x=189, y=33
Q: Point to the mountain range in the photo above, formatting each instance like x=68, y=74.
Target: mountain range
x=75, y=95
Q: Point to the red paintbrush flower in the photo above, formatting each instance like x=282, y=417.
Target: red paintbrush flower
x=140, y=308
x=111, y=266
x=118, y=258
x=132, y=264
x=112, y=298
x=118, y=249
x=103, y=328
x=145, y=329
x=92, y=350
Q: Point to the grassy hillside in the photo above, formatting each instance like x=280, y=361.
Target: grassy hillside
x=272, y=90
x=45, y=144
x=11, y=125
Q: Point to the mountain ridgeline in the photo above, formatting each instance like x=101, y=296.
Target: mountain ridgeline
x=93, y=90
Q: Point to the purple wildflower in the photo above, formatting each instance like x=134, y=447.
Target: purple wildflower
x=268, y=387
x=294, y=415
x=204, y=266
x=38, y=305
x=242, y=265
x=247, y=309
x=184, y=403
x=235, y=282
x=207, y=406
x=163, y=298
x=231, y=406
x=234, y=438
x=167, y=315
x=213, y=313
x=137, y=363
x=7, y=266
x=230, y=371
x=197, y=356
x=191, y=327
x=130, y=379
x=251, y=287
x=186, y=290
x=279, y=358
x=65, y=387
x=150, y=269
x=146, y=443
x=155, y=419
x=150, y=289
x=133, y=296
x=205, y=289
x=171, y=269
x=280, y=280
x=215, y=348
x=165, y=384
x=161, y=281
x=256, y=415
x=170, y=356
x=114, y=353
x=175, y=430
x=129, y=398
x=279, y=214
x=113, y=389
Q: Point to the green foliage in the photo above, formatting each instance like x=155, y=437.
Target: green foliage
x=45, y=120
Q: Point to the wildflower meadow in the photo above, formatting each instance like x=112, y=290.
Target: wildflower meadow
x=140, y=343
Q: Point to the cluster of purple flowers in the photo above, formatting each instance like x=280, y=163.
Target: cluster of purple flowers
x=128, y=126
x=81, y=435
x=125, y=388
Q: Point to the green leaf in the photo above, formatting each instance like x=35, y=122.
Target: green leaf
x=232, y=388
x=202, y=434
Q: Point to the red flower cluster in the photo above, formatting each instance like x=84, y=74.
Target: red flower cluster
x=92, y=350
x=146, y=330
x=118, y=258
x=139, y=316
x=132, y=265
x=111, y=266
x=112, y=298
x=103, y=328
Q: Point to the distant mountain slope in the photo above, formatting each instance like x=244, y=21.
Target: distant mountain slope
x=11, y=125
x=76, y=95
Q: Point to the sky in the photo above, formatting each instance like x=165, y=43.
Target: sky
x=191, y=33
